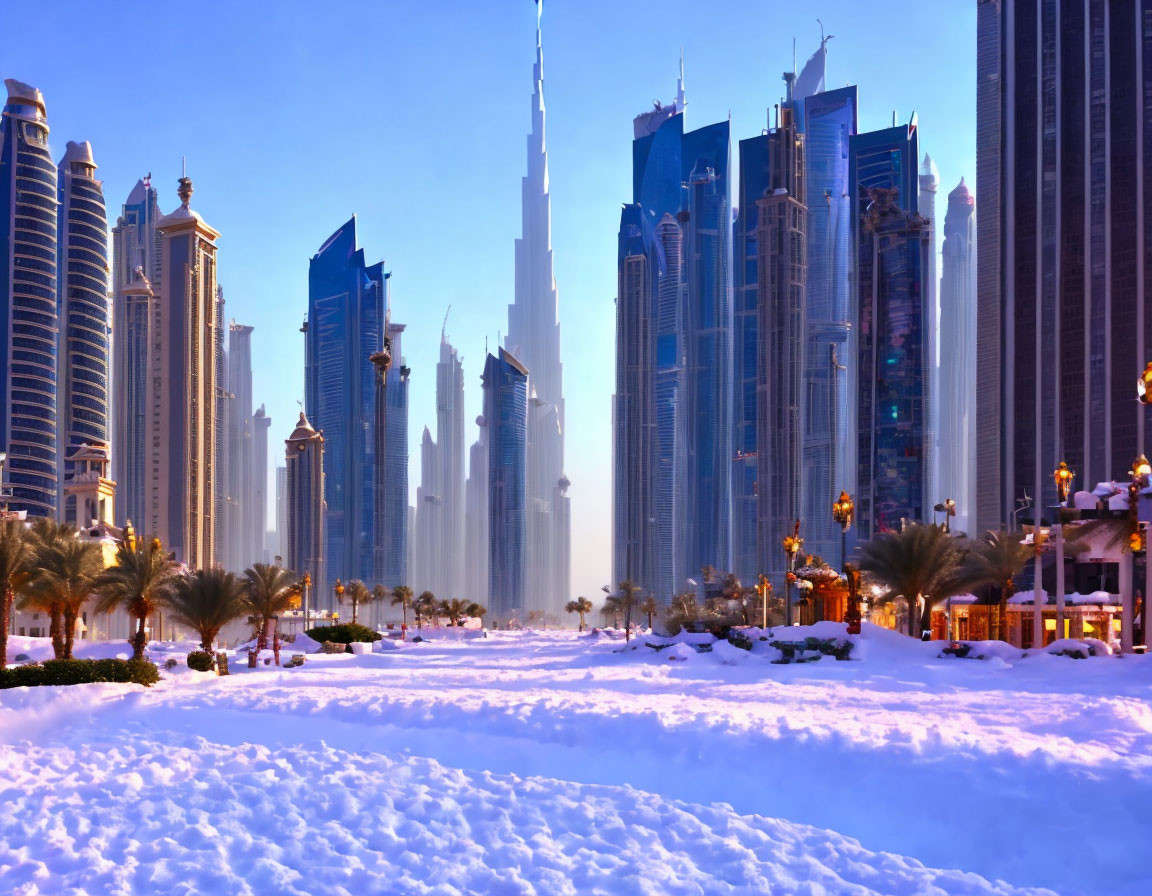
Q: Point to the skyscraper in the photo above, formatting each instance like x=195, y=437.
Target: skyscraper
x=892, y=244
x=476, y=545
x=956, y=398
x=28, y=310
x=82, y=263
x=237, y=461
x=929, y=179
x=534, y=336
x=1064, y=122
x=506, y=412
x=347, y=303
x=781, y=271
x=281, y=541
x=672, y=494
x=258, y=490
x=393, y=541
x=135, y=329
x=440, y=499
x=305, y=515
x=828, y=121
x=183, y=463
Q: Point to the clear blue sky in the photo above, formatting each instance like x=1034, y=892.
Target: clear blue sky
x=412, y=115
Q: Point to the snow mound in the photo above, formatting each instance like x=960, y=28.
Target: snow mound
x=678, y=652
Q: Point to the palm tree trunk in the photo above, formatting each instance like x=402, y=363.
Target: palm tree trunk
x=138, y=641
x=355, y=607
x=5, y=615
x=69, y=632
x=1002, y=622
x=56, y=631
x=262, y=641
x=581, y=621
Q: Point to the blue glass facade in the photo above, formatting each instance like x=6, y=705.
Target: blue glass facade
x=892, y=245
x=505, y=384
x=828, y=121
x=29, y=315
x=673, y=429
x=82, y=262
x=394, y=538
x=346, y=306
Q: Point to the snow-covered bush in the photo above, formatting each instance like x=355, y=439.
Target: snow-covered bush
x=343, y=634
x=201, y=661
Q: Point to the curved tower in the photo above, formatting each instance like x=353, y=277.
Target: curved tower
x=28, y=313
x=82, y=253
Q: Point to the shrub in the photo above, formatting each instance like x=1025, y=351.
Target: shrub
x=201, y=661
x=67, y=672
x=333, y=647
x=342, y=634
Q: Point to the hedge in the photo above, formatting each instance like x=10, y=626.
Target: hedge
x=64, y=672
x=343, y=634
x=201, y=661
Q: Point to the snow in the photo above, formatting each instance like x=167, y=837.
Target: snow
x=558, y=763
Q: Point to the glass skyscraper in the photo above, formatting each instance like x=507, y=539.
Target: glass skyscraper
x=393, y=541
x=28, y=309
x=505, y=384
x=672, y=428
x=347, y=301
x=82, y=262
x=1064, y=126
x=892, y=245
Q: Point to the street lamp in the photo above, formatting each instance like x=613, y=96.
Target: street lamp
x=1063, y=477
x=842, y=511
x=948, y=508
x=306, y=582
x=339, y=589
x=1144, y=385
x=1141, y=472
x=764, y=588
x=791, y=544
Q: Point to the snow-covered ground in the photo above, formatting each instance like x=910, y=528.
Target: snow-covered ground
x=550, y=763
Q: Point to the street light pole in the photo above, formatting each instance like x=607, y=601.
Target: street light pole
x=1063, y=477
x=791, y=544
x=842, y=512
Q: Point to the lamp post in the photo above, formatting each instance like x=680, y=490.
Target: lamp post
x=1140, y=473
x=306, y=582
x=1038, y=595
x=842, y=511
x=948, y=508
x=339, y=590
x=1063, y=477
x=763, y=588
x=791, y=544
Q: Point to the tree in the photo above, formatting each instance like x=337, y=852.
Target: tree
x=138, y=581
x=624, y=601
x=15, y=565
x=206, y=601
x=921, y=564
x=425, y=607
x=402, y=595
x=454, y=610
x=268, y=591
x=379, y=596
x=649, y=608
x=354, y=593
x=996, y=559
x=582, y=606
x=708, y=571
x=65, y=570
x=474, y=610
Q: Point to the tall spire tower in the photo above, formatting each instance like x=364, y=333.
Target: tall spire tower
x=534, y=337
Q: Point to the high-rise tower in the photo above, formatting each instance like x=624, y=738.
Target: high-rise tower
x=392, y=543
x=347, y=303
x=183, y=463
x=305, y=516
x=534, y=337
x=28, y=310
x=956, y=399
x=237, y=467
x=82, y=263
x=1064, y=181
x=135, y=328
x=506, y=413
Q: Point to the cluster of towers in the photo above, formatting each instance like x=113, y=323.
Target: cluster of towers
x=122, y=401
x=492, y=527
x=772, y=355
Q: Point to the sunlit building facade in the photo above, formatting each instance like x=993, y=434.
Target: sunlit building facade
x=28, y=311
x=505, y=384
x=304, y=510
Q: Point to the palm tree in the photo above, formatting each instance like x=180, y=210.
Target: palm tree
x=206, y=601
x=402, y=595
x=921, y=564
x=474, y=610
x=66, y=569
x=15, y=562
x=996, y=558
x=623, y=601
x=268, y=591
x=138, y=581
x=425, y=607
x=649, y=608
x=581, y=605
x=453, y=610
x=379, y=595
x=354, y=593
